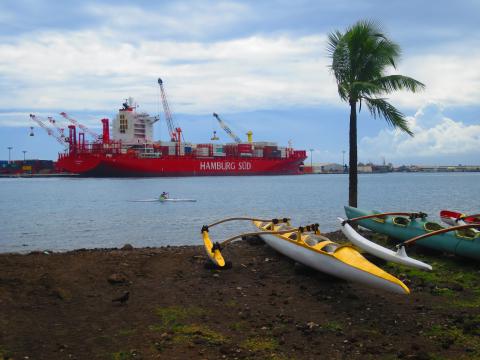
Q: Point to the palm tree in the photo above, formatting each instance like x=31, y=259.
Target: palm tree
x=360, y=59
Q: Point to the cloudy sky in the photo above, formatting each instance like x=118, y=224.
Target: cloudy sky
x=262, y=65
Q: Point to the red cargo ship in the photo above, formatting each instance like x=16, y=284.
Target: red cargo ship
x=130, y=151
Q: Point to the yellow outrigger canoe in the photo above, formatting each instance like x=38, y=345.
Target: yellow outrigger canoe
x=307, y=246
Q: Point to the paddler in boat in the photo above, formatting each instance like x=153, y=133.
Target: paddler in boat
x=164, y=196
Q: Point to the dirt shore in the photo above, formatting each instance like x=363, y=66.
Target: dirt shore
x=59, y=306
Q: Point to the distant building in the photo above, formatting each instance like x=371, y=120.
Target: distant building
x=438, y=168
x=328, y=168
x=362, y=168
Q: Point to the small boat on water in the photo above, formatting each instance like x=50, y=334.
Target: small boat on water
x=175, y=200
x=160, y=199
x=307, y=246
x=406, y=226
x=164, y=197
x=456, y=218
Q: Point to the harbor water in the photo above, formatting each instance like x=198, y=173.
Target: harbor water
x=62, y=214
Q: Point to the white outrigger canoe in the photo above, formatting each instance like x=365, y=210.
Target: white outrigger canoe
x=400, y=256
x=312, y=249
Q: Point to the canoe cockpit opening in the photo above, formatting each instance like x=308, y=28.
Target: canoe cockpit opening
x=320, y=242
x=311, y=241
x=267, y=226
x=400, y=221
x=431, y=226
x=282, y=227
x=469, y=234
x=330, y=248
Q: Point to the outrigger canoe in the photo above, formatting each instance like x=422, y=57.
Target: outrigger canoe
x=307, y=246
x=456, y=218
x=462, y=242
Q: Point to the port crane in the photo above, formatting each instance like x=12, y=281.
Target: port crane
x=83, y=127
x=48, y=130
x=174, y=132
x=59, y=129
x=227, y=129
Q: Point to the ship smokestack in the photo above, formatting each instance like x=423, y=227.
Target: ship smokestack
x=106, y=131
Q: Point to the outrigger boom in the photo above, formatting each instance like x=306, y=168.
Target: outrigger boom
x=213, y=248
x=438, y=232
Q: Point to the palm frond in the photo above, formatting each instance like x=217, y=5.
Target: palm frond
x=380, y=108
x=343, y=92
x=333, y=39
x=398, y=82
x=365, y=88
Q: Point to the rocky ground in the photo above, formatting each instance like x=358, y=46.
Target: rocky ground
x=59, y=306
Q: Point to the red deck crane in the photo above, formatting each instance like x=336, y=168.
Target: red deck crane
x=227, y=129
x=174, y=132
x=59, y=129
x=83, y=127
x=49, y=131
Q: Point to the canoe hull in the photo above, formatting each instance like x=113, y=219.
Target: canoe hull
x=330, y=265
x=451, y=242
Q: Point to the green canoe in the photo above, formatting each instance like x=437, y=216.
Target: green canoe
x=461, y=242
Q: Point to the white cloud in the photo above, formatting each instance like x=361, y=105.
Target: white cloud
x=87, y=70
x=193, y=19
x=436, y=137
x=451, y=77
x=98, y=68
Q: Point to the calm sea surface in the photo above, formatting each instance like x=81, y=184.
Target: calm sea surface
x=67, y=213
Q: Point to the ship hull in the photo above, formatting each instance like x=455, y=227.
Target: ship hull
x=125, y=166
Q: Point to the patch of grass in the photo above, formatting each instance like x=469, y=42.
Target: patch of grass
x=238, y=326
x=197, y=333
x=173, y=316
x=444, y=292
x=5, y=354
x=122, y=355
x=450, y=336
x=177, y=321
x=333, y=326
x=260, y=344
x=127, y=332
x=231, y=303
x=445, y=271
x=471, y=302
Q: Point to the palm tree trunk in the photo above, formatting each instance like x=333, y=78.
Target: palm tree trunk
x=353, y=177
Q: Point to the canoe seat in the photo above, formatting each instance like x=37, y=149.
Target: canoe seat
x=264, y=225
x=311, y=241
x=400, y=221
x=293, y=236
x=431, y=226
x=282, y=227
x=466, y=234
x=330, y=248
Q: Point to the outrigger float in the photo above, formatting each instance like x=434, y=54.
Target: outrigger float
x=410, y=228
x=400, y=256
x=306, y=245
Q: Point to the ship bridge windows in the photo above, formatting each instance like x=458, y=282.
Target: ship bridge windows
x=123, y=124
